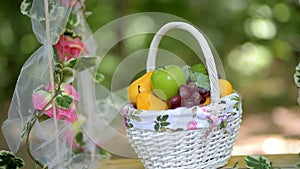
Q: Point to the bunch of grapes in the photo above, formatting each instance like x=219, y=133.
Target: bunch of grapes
x=189, y=95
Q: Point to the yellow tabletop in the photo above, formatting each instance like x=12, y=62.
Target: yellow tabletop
x=280, y=160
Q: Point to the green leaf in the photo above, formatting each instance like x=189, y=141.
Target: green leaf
x=257, y=162
x=156, y=127
x=71, y=63
x=165, y=118
x=74, y=19
x=26, y=6
x=86, y=62
x=163, y=128
x=9, y=161
x=69, y=75
x=158, y=118
x=99, y=77
x=202, y=80
x=79, y=138
x=200, y=68
x=35, y=14
x=164, y=123
x=64, y=101
x=104, y=153
x=27, y=126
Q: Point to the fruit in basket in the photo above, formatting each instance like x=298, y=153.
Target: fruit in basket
x=205, y=101
x=148, y=101
x=142, y=84
x=205, y=94
x=174, y=102
x=166, y=81
x=225, y=87
x=190, y=95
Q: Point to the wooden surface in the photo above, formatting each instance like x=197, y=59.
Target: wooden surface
x=280, y=160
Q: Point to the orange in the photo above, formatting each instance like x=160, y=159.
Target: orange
x=207, y=101
x=225, y=87
x=148, y=101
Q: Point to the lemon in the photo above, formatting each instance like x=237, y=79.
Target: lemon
x=225, y=87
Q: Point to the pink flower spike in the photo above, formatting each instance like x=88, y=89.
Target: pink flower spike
x=40, y=99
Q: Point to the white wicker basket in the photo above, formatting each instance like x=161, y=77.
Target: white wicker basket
x=205, y=147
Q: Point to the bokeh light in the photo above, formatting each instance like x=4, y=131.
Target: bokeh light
x=250, y=59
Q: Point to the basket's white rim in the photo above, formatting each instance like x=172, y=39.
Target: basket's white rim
x=209, y=58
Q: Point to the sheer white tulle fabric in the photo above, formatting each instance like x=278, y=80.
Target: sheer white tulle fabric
x=34, y=74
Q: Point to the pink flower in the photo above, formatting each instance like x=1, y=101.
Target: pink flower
x=192, y=125
x=40, y=99
x=66, y=110
x=69, y=47
x=68, y=3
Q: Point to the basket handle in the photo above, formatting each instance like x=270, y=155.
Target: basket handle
x=209, y=58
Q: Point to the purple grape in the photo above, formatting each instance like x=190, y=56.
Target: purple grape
x=188, y=103
x=203, y=92
x=203, y=100
x=193, y=87
x=184, y=92
x=196, y=97
x=174, y=102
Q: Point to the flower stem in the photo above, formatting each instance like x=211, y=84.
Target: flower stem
x=28, y=146
x=27, y=143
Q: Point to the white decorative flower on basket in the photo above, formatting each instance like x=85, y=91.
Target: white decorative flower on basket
x=195, y=137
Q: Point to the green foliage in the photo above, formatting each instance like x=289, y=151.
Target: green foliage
x=99, y=77
x=27, y=126
x=201, y=80
x=9, y=161
x=258, y=162
x=38, y=15
x=199, y=68
x=261, y=162
x=83, y=63
x=64, y=101
x=26, y=6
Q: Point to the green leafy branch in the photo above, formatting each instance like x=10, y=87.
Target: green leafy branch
x=260, y=162
x=9, y=161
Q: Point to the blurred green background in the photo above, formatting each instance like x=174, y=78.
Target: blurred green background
x=258, y=42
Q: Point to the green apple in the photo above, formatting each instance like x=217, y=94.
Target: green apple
x=166, y=81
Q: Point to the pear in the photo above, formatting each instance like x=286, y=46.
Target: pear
x=142, y=84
